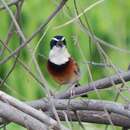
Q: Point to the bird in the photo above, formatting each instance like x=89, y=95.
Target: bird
x=61, y=65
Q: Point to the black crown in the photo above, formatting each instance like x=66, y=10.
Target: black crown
x=56, y=39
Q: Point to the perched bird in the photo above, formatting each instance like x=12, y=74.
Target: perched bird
x=61, y=66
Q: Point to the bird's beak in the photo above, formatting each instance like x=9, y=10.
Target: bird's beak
x=60, y=44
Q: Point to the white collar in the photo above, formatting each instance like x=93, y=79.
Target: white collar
x=59, y=55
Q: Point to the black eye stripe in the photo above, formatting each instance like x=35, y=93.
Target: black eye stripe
x=53, y=43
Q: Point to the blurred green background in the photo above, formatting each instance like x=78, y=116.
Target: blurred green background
x=108, y=20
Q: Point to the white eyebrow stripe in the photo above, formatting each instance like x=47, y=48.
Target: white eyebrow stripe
x=63, y=38
x=55, y=39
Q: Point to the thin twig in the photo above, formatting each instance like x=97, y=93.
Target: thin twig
x=13, y=2
x=14, y=21
x=77, y=17
x=24, y=65
x=18, y=11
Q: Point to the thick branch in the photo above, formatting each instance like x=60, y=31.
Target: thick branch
x=120, y=116
x=30, y=111
x=88, y=110
x=12, y=114
x=89, y=104
x=94, y=117
x=99, y=84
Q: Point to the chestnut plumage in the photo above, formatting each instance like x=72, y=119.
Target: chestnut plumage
x=67, y=73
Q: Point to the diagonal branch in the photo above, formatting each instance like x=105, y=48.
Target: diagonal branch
x=13, y=2
x=12, y=114
x=30, y=111
x=98, y=84
x=14, y=21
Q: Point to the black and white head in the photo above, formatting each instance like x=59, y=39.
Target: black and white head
x=58, y=53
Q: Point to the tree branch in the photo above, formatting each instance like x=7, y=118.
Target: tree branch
x=12, y=114
x=97, y=117
x=88, y=110
x=30, y=111
x=13, y=2
x=98, y=84
x=84, y=104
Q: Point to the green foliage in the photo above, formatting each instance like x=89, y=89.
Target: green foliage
x=108, y=20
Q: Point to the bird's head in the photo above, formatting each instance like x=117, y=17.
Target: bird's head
x=58, y=53
x=58, y=41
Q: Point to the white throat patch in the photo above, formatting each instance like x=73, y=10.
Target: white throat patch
x=59, y=55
